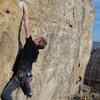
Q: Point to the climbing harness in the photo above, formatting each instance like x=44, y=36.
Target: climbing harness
x=21, y=76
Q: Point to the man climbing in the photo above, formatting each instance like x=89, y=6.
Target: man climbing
x=22, y=75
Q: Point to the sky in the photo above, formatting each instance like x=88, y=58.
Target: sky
x=96, y=26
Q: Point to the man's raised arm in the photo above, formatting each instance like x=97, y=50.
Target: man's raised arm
x=26, y=20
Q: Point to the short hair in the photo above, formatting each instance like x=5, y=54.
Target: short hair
x=43, y=43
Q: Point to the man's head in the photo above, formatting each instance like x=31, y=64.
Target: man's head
x=40, y=42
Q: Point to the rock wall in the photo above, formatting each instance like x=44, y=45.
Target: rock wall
x=67, y=25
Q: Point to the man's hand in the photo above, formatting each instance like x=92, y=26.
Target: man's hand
x=23, y=4
x=28, y=80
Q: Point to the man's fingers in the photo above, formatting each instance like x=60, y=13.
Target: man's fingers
x=21, y=4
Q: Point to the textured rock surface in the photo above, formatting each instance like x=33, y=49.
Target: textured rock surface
x=67, y=25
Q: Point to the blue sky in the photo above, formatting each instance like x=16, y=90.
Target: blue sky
x=96, y=26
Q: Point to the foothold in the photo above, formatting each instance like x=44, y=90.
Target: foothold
x=79, y=65
x=13, y=18
x=73, y=14
x=79, y=79
x=45, y=28
x=0, y=13
x=7, y=11
x=70, y=25
x=82, y=0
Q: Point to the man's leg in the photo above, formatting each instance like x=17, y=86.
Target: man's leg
x=26, y=89
x=9, y=88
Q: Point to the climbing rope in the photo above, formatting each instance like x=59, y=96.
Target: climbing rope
x=19, y=47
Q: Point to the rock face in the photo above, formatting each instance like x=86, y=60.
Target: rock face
x=67, y=25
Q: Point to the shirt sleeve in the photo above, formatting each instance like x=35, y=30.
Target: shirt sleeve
x=29, y=42
x=29, y=39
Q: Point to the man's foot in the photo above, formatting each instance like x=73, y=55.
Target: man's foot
x=29, y=95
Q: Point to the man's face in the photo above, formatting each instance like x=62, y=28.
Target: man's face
x=37, y=41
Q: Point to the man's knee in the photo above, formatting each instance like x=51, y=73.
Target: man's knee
x=27, y=90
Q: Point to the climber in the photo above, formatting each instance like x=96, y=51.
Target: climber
x=22, y=76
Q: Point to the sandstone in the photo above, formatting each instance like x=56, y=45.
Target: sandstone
x=67, y=25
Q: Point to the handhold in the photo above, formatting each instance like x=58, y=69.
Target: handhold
x=19, y=3
x=7, y=11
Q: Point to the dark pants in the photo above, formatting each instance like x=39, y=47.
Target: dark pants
x=13, y=84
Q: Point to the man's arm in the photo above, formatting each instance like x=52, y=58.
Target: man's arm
x=26, y=21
